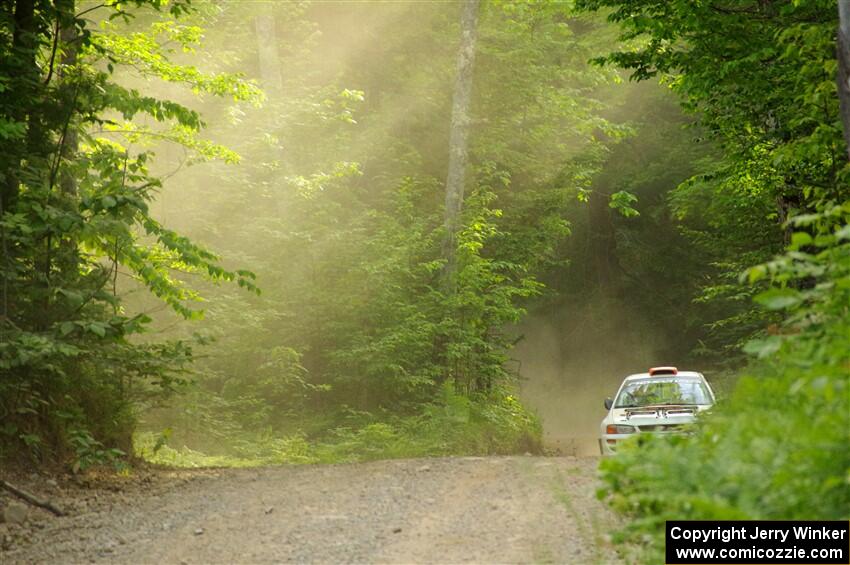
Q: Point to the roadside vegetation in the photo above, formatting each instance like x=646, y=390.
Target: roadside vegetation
x=452, y=425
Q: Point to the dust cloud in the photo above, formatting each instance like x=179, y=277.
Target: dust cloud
x=575, y=356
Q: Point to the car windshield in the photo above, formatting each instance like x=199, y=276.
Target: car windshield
x=654, y=392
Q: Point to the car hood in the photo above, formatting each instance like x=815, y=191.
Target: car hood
x=651, y=415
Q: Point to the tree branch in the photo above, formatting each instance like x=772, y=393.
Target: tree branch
x=32, y=499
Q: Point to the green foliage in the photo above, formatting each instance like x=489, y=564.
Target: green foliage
x=622, y=202
x=452, y=424
x=764, y=90
x=89, y=452
x=75, y=215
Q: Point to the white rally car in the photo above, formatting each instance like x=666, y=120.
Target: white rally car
x=664, y=400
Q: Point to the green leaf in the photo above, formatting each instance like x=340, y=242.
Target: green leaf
x=74, y=297
x=778, y=298
x=762, y=348
x=756, y=273
x=800, y=238
x=622, y=202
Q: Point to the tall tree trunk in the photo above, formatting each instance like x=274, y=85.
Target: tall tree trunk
x=458, y=139
x=267, y=54
x=68, y=148
x=68, y=258
x=843, y=78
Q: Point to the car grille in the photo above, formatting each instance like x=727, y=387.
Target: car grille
x=676, y=411
x=661, y=411
x=660, y=428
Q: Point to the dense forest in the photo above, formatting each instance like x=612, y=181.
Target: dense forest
x=243, y=233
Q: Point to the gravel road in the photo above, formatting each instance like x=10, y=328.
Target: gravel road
x=451, y=510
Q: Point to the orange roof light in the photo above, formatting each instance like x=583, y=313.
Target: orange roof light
x=663, y=371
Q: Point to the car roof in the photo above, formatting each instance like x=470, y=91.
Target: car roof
x=679, y=374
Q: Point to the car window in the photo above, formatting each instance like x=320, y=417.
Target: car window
x=653, y=392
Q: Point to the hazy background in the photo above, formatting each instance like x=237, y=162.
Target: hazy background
x=356, y=117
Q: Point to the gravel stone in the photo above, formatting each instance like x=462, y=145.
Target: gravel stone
x=14, y=513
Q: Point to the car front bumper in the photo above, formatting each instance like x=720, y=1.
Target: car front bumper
x=608, y=443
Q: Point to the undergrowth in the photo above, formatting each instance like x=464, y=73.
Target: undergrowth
x=496, y=424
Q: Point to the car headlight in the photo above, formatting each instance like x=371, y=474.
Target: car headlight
x=613, y=429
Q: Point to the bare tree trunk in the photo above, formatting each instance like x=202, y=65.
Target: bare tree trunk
x=67, y=252
x=458, y=139
x=267, y=54
x=68, y=149
x=843, y=78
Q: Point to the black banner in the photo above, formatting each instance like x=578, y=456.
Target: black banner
x=765, y=542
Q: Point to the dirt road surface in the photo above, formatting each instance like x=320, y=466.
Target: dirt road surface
x=452, y=510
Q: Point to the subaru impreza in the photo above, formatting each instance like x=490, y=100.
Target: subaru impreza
x=663, y=400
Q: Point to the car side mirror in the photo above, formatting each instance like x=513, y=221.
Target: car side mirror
x=609, y=402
